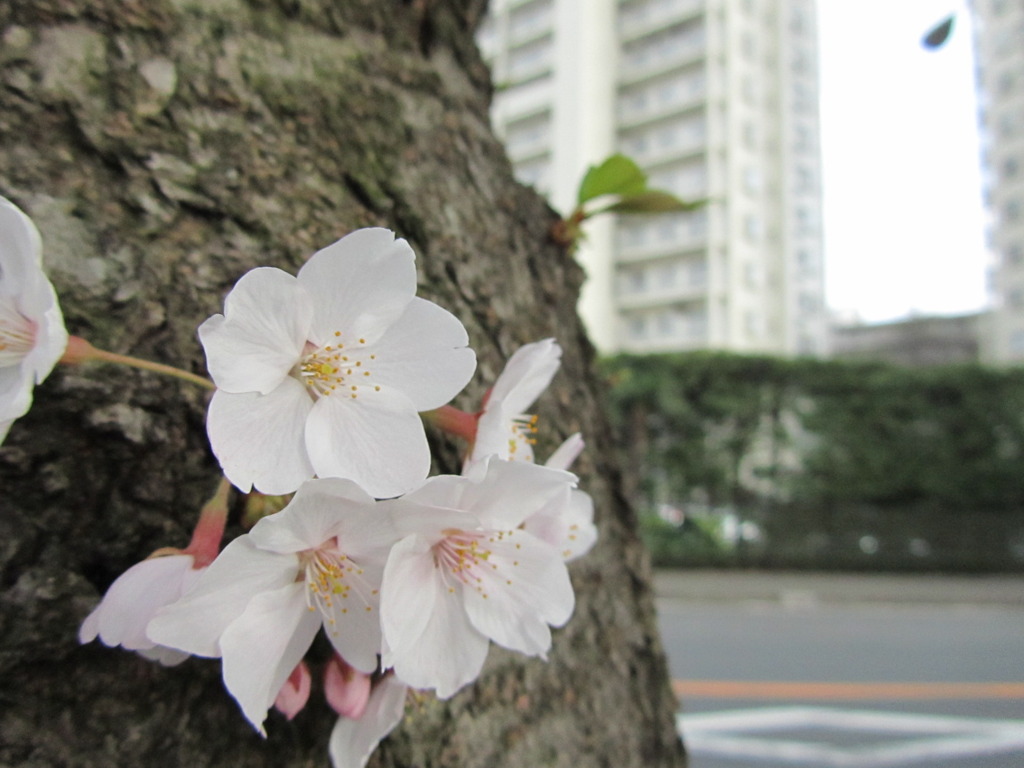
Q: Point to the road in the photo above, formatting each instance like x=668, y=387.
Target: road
x=798, y=670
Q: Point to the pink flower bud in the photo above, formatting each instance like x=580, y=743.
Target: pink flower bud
x=346, y=689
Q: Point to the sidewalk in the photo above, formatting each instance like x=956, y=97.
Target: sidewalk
x=799, y=588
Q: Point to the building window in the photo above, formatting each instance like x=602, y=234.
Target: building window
x=632, y=235
x=637, y=327
x=752, y=179
x=752, y=226
x=1007, y=125
x=635, y=281
x=808, y=303
x=528, y=136
x=529, y=20
x=666, y=275
x=668, y=230
x=1005, y=83
x=749, y=135
x=1017, y=343
x=797, y=22
x=1014, y=254
x=804, y=221
x=698, y=274
x=799, y=62
x=534, y=173
x=804, y=179
x=802, y=139
x=805, y=261
x=530, y=60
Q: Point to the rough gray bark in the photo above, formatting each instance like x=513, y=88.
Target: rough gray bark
x=166, y=146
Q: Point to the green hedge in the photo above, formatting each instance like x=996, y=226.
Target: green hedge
x=825, y=458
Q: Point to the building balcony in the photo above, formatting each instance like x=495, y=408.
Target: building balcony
x=683, y=246
x=630, y=116
x=662, y=296
x=664, y=145
x=645, y=64
x=650, y=17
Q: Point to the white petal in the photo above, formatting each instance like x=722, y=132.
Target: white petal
x=15, y=392
x=355, y=632
x=169, y=657
x=424, y=355
x=353, y=741
x=262, y=646
x=321, y=510
x=415, y=513
x=511, y=491
x=25, y=289
x=408, y=591
x=566, y=453
x=260, y=439
x=220, y=595
x=20, y=249
x=526, y=588
x=527, y=373
x=261, y=335
x=360, y=285
x=132, y=600
x=567, y=525
x=430, y=642
x=377, y=440
x=442, y=491
x=37, y=302
x=497, y=435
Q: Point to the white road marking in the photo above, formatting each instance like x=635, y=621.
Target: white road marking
x=740, y=734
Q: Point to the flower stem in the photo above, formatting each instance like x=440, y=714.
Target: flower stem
x=81, y=351
x=209, y=530
x=453, y=421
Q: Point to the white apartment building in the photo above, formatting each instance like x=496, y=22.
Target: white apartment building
x=999, y=53
x=714, y=99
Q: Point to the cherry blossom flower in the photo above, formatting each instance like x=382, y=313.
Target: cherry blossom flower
x=32, y=334
x=318, y=562
x=566, y=522
x=324, y=373
x=137, y=594
x=503, y=429
x=354, y=739
x=133, y=599
x=466, y=573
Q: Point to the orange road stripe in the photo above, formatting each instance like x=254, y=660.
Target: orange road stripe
x=764, y=689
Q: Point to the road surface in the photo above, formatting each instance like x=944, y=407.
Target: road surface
x=776, y=671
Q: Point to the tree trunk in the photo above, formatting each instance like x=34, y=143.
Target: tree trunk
x=164, y=147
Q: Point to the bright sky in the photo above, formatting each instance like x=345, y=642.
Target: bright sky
x=903, y=219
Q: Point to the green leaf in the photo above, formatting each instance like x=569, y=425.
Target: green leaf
x=618, y=175
x=654, y=201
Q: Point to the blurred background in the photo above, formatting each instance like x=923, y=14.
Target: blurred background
x=818, y=367
x=815, y=376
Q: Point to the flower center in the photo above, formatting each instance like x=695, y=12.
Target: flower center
x=521, y=434
x=332, y=578
x=337, y=368
x=465, y=557
x=17, y=334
